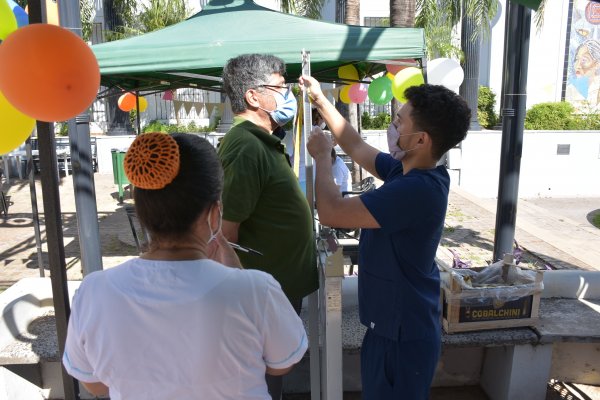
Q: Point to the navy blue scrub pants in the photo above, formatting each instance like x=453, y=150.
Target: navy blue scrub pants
x=397, y=370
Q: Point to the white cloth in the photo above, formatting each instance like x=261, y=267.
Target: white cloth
x=341, y=175
x=181, y=330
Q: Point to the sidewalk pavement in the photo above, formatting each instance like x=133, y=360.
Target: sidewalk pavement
x=554, y=232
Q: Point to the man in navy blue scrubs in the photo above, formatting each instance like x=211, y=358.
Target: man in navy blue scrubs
x=401, y=221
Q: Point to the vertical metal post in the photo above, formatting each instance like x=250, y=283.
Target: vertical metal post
x=82, y=165
x=137, y=113
x=56, y=247
x=313, y=298
x=54, y=232
x=85, y=194
x=35, y=214
x=516, y=56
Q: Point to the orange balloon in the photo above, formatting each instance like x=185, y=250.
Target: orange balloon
x=48, y=72
x=126, y=102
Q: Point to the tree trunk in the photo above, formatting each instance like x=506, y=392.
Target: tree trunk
x=470, y=86
x=402, y=14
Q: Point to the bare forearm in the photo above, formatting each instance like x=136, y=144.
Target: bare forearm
x=327, y=192
x=344, y=133
x=347, y=137
x=96, y=388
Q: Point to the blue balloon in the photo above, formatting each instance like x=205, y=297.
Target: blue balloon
x=20, y=14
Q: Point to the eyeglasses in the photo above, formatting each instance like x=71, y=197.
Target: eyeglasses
x=287, y=87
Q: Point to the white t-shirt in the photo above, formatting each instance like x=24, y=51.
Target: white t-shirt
x=341, y=175
x=181, y=330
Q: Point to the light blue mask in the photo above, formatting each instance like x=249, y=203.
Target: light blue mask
x=286, y=108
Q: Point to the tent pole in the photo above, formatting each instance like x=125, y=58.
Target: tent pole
x=313, y=298
x=137, y=112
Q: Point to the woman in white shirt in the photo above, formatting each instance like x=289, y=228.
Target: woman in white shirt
x=179, y=322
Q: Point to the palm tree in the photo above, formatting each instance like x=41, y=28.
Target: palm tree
x=352, y=17
x=306, y=8
x=402, y=14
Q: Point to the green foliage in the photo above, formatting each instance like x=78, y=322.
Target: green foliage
x=596, y=220
x=86, y=10
x=61, y=128
x=138, y=19
x=549, y=116
x=155, y=126
x=159, y=126
x=486, y=102
x=560, y=116
x=305, y=8
x=380, y=121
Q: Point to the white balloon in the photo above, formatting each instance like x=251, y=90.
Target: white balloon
x=446, y=72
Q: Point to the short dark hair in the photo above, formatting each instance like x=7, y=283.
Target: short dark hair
x=246, y=72
x=170, y=212
x=440, y=112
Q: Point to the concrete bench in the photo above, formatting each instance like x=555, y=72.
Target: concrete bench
x=506, y=363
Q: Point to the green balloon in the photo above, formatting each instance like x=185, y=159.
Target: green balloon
x=380, y=91
x=8, y=21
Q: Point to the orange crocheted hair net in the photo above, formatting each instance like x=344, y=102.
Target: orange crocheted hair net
x=152, y=161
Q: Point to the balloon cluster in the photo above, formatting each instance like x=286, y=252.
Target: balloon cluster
x=128, y=101
x=60, y=75
x=354, y=92
x=441, y=71
x=382, y=89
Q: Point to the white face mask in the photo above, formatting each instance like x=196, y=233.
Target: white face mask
x=213, y=235
x=393, y=137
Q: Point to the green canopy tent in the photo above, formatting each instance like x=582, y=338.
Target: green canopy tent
x=192, y=53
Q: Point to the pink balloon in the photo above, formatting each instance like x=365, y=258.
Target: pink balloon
x=168, y=95
x=358, y=93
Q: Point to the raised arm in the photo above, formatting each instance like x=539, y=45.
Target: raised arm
x=346, y=136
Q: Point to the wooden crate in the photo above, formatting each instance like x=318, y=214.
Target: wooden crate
x=461, y=315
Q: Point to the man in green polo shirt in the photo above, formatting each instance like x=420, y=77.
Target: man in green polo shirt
x=263, y=205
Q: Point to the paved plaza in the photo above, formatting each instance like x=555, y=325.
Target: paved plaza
x=552, y=232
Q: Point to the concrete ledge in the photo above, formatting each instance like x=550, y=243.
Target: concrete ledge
x=569, y=320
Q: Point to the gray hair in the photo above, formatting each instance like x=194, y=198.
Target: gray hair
x=593, y=48
x=248, y=71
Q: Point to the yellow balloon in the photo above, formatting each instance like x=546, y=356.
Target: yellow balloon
x=8, y=21
x=404, y=79
x=143, y=104
x=16, y=126
x=348, y=72
x=345, y=95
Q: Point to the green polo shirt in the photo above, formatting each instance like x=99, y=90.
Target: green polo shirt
x=262, y=193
